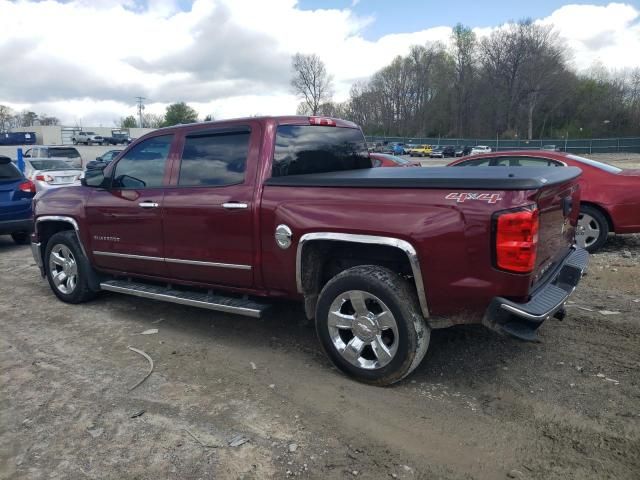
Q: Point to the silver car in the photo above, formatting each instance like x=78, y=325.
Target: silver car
x=47, y=173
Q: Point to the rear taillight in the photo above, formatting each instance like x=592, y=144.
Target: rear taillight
x=326, y=122
x=517, y=240
x=27, y=187
x=44, y=178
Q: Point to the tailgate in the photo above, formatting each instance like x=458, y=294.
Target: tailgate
x=558, y=206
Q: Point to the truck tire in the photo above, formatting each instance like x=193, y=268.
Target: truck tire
x=593, y=229
x=370, y=325
x=74, y=141
x=67, y=268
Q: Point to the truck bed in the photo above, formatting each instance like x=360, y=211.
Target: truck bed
x=482, y=178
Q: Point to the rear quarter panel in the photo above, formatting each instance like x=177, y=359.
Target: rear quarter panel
x=618, y=195
x=453, y=240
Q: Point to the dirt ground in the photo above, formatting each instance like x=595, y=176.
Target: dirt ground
x=480, y=406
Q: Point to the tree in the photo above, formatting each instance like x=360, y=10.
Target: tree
x=464, y=53
x=179, y=113
x=152, y=120
x=209, y=118
x=311, y=82
x=29, y=118
x=128, y=122
x=48, y=120
x=6, y=118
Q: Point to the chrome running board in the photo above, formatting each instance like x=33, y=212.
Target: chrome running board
x=239, y=306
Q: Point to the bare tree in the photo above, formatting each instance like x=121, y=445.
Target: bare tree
x=464, y=53
x=152, y=120
x=6, y=118
x=310, y=82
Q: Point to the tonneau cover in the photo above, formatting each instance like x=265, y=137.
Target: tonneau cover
x=477, y=178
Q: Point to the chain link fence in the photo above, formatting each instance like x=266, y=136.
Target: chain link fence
x=591, y=145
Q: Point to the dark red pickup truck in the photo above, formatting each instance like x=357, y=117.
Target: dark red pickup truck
x=231, y=215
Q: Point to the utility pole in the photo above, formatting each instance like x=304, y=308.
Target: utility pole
x=140, y=109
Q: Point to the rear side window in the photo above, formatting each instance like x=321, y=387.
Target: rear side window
x=9, y=172
x=302, y=149
x=481, y=162
x=143, y=166
x=215, y=159
x=518, y=161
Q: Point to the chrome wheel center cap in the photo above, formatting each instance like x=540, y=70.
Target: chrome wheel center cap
x=365, y=328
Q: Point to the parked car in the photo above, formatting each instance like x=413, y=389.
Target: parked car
x=463, y=151
x=68, y=154
x=256, y=210
x=88, y=138
x=48, y=173
x=420, y=151
x=103, y=160
x=117, y=138
x=442, y=152
x=376, y=147
x=408, y=147
x=16, y=194
x=551, y=148
x=394, y=148
x=609, y=198
x=386, y=160
x=478, y=149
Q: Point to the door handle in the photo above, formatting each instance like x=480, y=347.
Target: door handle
x=148, y=204
x=234, y=205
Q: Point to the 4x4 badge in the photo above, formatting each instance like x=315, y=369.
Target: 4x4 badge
x=464, y=196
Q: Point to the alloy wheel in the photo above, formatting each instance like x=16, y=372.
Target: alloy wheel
x=588, y=230
x=363, y=329
x=63, y=269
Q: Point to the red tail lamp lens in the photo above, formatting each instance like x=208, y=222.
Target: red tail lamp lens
x=517, y=240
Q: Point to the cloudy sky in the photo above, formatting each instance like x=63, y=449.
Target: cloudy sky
x=85, y=61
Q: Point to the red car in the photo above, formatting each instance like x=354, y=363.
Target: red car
x=610, y=196
x=386, y=160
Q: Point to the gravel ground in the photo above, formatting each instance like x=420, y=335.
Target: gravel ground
x=480, y=406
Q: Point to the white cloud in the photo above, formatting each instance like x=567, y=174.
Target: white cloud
x=609, y=34
x=86, y=60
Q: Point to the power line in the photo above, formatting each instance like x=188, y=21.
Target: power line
x=140, y=109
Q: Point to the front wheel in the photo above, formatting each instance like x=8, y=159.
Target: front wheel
x=67, y=268
x=592, y=230
x=369, y=323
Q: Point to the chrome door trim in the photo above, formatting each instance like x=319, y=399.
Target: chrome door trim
x=128, y=255
x=173, y=260
x=61, y=218
x=403, y=245
x=209, y=264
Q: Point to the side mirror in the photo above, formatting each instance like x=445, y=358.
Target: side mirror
x=94, y=177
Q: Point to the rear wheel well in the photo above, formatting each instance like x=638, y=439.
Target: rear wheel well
x=321, y=260
x=603, y=212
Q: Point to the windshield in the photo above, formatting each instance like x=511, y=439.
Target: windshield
x=49, y=165
x=593, y=163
